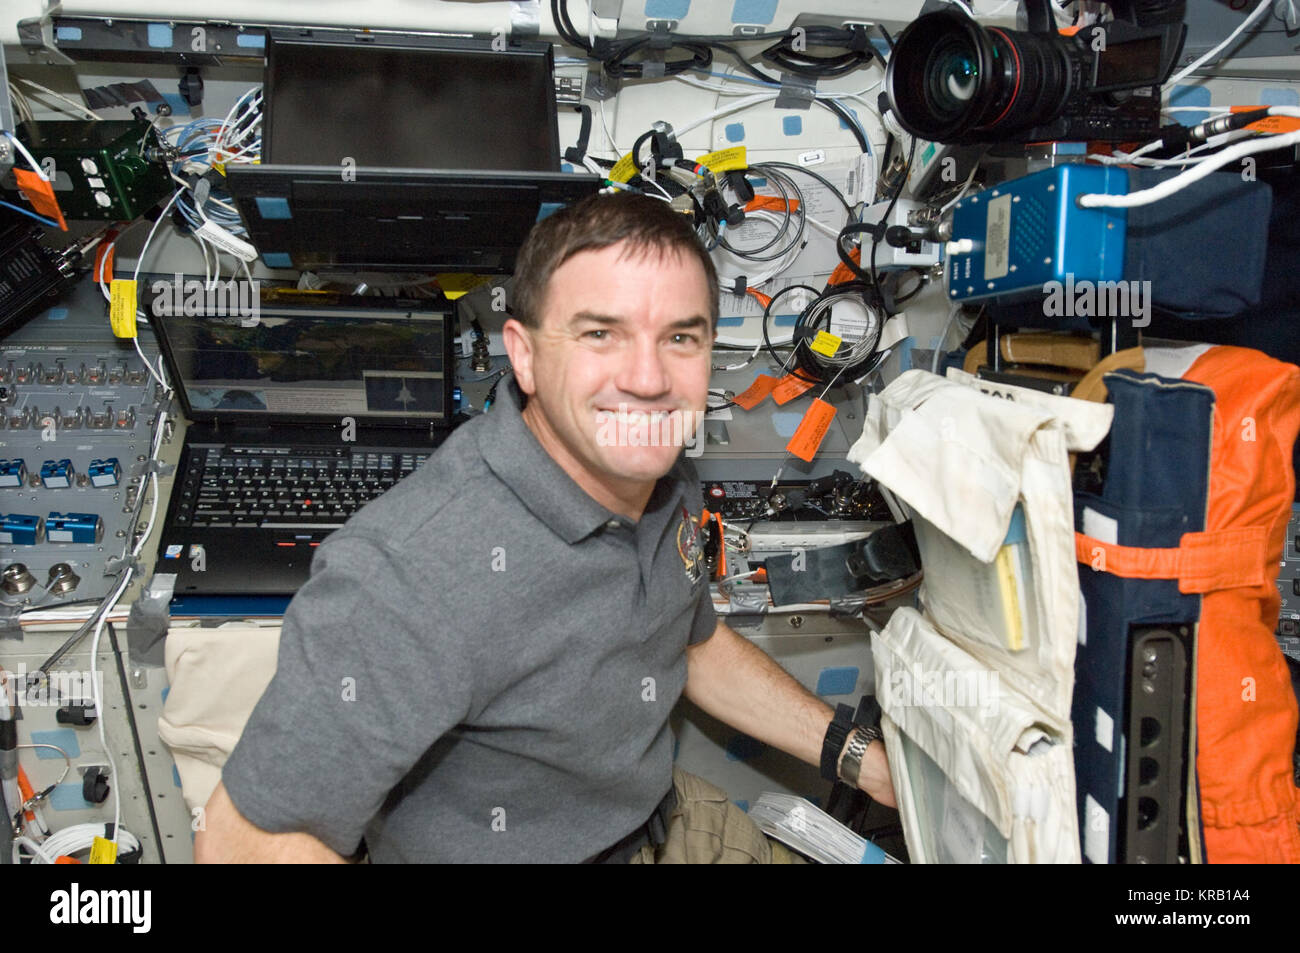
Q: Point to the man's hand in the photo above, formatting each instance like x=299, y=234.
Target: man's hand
x=229, y=838
x=738, y=683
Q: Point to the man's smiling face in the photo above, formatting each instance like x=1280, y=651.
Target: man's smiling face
x=623, y=345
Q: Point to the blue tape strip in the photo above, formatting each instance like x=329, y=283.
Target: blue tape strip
x=666, y=9
x=273, y=206
x=840, y=680
x=1189, y=96
x=753, y=11
x=255, y=41
x=872, y=854
x=65, y=738
x=72, y=33
x=67, y=797
x=159, y=35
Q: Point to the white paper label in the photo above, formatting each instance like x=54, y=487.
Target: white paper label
x=1096, y=831
x=1103, y=528
x=1104, y=728
x=226, y=241
x=997, y=238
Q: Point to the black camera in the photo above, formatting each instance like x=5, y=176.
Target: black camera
x=952, y=80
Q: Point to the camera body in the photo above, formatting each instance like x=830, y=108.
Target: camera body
x=952, y=80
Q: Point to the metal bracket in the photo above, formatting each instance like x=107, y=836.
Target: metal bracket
x=36, y=34
x=6, y=117
x=10, y=624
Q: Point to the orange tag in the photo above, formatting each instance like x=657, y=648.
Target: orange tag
x=104, y=261
x=41, y=194
x=789, y=388
x=1269, y=123
x=771, y=203
x=812, y=430
x=756, y=393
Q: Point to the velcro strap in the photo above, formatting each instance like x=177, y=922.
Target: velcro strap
x=1201, y=562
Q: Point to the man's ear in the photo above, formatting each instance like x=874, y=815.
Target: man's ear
x=519, y=347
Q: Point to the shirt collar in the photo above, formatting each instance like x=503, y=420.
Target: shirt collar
x=513, y=453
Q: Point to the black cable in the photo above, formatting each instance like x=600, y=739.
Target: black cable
x=139, y=749
x=812, y=319
x=844, y=115
x=889, y=40
x=747, y=66
x=616, y=64
x=820, y=178
x=914, y=292
x=575, y=153
x=767, y=341
x=848, y=231
x=785, y=57
x=564, y=26
x=875, y=240
x=753, y=254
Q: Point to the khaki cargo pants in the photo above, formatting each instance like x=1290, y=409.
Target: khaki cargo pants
x=706, y=828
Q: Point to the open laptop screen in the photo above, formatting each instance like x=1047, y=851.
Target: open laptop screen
x=381, y=365
x=409, y=102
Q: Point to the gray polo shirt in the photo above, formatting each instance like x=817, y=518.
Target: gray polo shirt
x=482, y=665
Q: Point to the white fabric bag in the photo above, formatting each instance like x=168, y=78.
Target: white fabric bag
x=984, y=469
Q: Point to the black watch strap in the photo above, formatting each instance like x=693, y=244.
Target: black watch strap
x=836, y=734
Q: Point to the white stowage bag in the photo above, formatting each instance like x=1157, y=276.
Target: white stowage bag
x=984, y=470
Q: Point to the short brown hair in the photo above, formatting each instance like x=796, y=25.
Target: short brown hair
x=597, y=222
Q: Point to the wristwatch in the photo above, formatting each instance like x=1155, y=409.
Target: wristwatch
x=851, y=764
x=833, y=743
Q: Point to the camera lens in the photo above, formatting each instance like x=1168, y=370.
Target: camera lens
x=952, y=76
x=952, y=81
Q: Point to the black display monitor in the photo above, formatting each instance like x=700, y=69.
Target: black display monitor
x=400, y=152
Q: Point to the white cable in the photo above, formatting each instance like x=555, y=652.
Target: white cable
x=662, y=190
x=1195, y=174
x=162, y=215
x=149, y=366
x=80, y=108
x=725, y=110
x=947, y=328
x=36, y=166
x=99, y=702
x=41, y=855
x=608, y=135
x=957, y=198
x=1186, y=71
x=72, y=840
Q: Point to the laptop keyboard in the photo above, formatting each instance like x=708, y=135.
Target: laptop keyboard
x=279, y=489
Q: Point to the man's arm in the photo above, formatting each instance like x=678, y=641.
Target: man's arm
x=738, y=683
x=229, y=838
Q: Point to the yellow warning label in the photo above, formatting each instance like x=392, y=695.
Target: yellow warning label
x=623, y=169
x=455, y=284
x=121, y=307
x=103, y=851
x=725, y=160
x=825, y=343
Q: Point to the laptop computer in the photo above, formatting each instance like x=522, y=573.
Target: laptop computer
x=403, y=152
x=298, y=420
